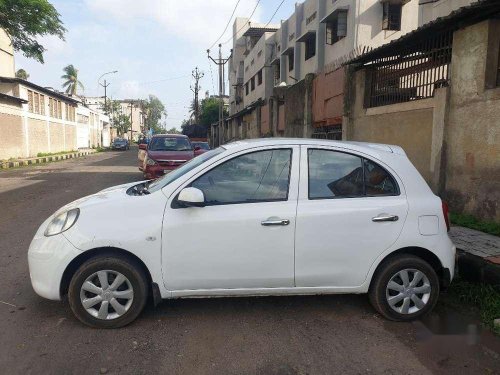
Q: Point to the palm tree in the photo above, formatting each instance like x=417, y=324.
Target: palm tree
x=71, y=78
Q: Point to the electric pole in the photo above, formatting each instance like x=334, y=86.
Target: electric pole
x=105, y=95
x=197, y=75
x=220, y=62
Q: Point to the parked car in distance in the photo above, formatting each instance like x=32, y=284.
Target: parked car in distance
x=166, y=152
x=120, y=144
x=141, y=154
x=203, y=146
x=274, y=217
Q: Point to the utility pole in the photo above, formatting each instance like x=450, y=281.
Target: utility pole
x=220, y=62
x=131, y=121
x=197, y=75
x=105, y=92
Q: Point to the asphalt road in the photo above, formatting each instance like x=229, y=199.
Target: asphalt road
x=282, y=335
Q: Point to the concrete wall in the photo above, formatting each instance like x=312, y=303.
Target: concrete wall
x=7, y=67
x=433, y=9
x=472, y=134
x=408, y=125
x=12, y=134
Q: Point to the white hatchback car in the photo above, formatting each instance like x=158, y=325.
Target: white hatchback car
x=257, y=217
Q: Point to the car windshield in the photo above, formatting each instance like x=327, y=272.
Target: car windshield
x=190, y=165
x=202, y=145
x=170, y=144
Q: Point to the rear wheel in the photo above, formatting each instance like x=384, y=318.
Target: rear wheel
x=108, y=292
x=404, y=288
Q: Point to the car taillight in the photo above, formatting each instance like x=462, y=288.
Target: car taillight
x=446, y=214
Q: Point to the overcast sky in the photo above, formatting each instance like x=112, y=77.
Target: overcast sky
x=146, y=41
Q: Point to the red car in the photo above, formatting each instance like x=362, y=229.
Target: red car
x=165, y=152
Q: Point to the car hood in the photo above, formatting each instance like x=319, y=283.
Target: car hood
x=110, y=194
x=171, y=155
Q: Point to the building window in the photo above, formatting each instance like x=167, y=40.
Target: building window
x=42, y=104
x=252, y=83
x=391, y=16
x=36, y=102
x=59, y=109
x=30, y=101
x=291, y=58
x=277, y=69
x=310, y=47
x=246, y=89
x=259, y=78
x=336, y=29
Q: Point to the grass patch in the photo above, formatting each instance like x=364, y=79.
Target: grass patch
x=470, y=221
x=484, y=297
x=43, y=154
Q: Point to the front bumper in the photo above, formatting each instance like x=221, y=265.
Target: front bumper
x=48, y=258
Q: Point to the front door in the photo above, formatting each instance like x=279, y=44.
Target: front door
x=351, y=209
x=244, y=236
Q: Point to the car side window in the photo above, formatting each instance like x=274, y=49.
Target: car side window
x=334, y=174
x=261, y=176
x=378, y=181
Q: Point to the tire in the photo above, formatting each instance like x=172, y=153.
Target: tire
x=134, y=289
x=408, y=303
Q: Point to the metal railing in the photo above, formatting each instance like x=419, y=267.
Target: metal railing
x=409, y=72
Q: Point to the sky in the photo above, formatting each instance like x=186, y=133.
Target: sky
x=154, y=45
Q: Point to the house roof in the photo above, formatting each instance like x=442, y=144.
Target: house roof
x=38, y=88
x=13, y=98
x=259, y=31
x=468, y=15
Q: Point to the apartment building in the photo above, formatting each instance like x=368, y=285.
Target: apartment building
x=316, y=39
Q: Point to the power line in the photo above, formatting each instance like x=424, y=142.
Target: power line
x=211, y=75
x=227, y=25
x=161, y=80
x=241, y=28
x=276, y=11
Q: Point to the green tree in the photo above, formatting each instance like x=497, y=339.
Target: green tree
x=210, y=111
x=24, y=20
x=111, y=107
x=23, y=74
x=71, y=84
x=122, y=123
x=173, y=131
x=155, y=111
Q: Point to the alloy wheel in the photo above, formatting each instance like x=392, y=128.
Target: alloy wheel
x=106, y=294
x=408, y=291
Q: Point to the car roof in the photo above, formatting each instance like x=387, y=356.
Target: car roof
x=369, y=148
x=170, y=136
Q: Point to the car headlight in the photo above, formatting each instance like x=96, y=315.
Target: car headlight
x=62, y=222
x=150, y=162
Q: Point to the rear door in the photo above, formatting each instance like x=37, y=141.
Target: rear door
x=351, y=208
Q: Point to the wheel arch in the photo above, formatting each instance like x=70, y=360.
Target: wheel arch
x=423, y=254
x=102, y=251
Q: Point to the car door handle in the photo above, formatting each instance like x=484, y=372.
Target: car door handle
x=268, y=223
x=385, y=217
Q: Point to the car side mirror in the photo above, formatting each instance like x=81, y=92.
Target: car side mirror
x=197, y=148
x=191, y=197
x=143, y=146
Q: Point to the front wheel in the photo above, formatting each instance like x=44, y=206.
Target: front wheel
x=404, y=288
x=108, y=292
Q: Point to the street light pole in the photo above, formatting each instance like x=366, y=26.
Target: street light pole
x=105, y=96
